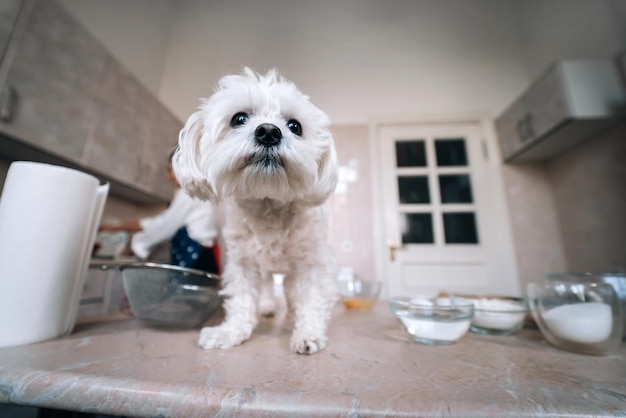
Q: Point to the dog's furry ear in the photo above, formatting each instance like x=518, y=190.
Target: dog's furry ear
x=327, y=175
x=186, y=159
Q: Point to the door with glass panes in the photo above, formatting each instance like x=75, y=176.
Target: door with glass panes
x=436, y=209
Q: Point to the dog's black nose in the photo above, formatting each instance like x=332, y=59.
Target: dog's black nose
x=268, y=134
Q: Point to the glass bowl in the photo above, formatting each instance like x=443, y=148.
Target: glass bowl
x=170, y=296
x=576, y=316
x=617, y=280
x=359, y=294
x=434, y=321
x=498, y=316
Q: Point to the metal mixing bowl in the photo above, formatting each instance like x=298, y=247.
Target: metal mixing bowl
x=169, y=295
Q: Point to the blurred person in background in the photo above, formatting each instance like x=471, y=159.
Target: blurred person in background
x=189, y=225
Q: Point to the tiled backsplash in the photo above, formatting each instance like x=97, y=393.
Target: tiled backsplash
x=351, y=229
x=570, y=214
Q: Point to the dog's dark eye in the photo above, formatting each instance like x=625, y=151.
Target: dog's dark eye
x=239, y=119
x=295, y=127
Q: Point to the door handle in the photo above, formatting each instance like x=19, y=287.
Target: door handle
x=393, y=247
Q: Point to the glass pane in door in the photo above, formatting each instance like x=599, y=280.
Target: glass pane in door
x=450, y=152
x=411, y=153
x=455, y=188
x=460, y=228
x=417, y=228
x=413, y=189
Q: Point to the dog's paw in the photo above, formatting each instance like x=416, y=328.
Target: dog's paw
x=303, y=345
x=221, y=337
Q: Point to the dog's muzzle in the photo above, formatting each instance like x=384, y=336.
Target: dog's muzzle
x=268, y=134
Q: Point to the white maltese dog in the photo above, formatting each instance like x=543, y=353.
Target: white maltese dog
x=260, y=145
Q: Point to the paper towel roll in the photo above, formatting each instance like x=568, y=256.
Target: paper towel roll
x=48, y=218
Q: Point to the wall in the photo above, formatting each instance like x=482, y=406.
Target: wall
x=351, y=215
x=357, y=59
x=570, y=29
x=589, y=188
x=136, y=32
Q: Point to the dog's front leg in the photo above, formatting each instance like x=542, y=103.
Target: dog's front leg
x=240, y=295
x=312, y=294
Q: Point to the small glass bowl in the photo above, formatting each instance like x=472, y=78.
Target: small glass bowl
x=359, y=294
x=437, y=321
x=579, y=317
x=498, y=316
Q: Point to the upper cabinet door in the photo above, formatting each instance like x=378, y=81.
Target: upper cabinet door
x=511, y=129
x=566, y=105
x=9, y=9
x=54, y=76
x=120, y=125
x=162, y=141
x=546, y=103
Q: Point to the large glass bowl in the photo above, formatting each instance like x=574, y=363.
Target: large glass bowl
x=575, y=316
x=617, y=280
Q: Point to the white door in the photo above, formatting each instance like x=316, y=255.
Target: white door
x=438, y=211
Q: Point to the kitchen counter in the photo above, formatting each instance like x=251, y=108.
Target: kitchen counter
x=369, y=368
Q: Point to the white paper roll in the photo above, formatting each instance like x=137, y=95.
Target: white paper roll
x=48, y=219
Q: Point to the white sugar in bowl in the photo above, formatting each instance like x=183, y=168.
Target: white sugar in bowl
x=498, y=315
x=436, y=321
x=580, y=317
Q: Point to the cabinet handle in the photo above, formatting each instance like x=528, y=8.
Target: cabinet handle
x=8, y=98
x=525, y=128
x=530, y=129
x=519, y=127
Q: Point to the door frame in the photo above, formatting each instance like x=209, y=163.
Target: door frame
x=503, y=238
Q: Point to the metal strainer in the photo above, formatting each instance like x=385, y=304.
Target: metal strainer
x=170, y=295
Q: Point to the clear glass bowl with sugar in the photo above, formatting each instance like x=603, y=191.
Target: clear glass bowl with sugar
x=433, y=321
x=580, y=317
x=498, y=315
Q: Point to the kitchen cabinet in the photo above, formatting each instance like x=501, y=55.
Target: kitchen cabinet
x=621, y=64
x=9, y=11
x=132, y=133
x=567, y=104
x=65, y=100
x=156, y=150
x=120, y=125
x=53, y=75
x=103, y=293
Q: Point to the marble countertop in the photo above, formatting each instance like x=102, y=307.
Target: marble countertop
x=369, y=368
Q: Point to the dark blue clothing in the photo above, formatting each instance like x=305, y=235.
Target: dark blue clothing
x=186, y=252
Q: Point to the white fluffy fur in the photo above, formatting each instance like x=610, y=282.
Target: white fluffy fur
x=275, y=222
